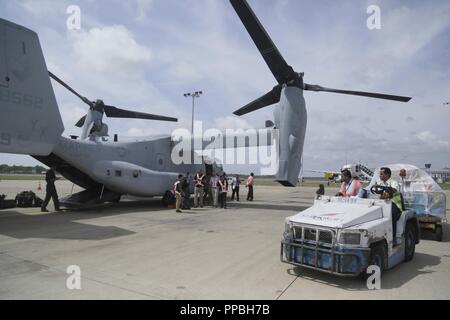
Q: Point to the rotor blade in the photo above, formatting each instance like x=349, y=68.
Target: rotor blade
x=114, y=112
x=80, y=122
x=269, y=98
x=85, y=100
x=315, y=87
x=280, y=69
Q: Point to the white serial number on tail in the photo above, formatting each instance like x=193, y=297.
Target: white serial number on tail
x=30, y=122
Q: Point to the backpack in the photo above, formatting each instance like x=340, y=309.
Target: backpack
x=27, y=199
x=6, y=204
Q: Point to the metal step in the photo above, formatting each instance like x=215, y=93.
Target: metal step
x=89, y=198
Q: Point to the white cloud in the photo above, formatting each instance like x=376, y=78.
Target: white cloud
x=231, y=122
x=39, y=7
x=141, y=131
x=429, y=142
x=110, y=48
x=71, y=113
x=426, y=136
x=185, y=71
x=407, y=29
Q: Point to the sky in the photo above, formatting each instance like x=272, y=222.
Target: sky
x=144, y=54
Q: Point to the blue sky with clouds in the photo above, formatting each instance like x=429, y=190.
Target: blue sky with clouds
x=145, y=54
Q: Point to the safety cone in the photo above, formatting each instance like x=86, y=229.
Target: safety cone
x=39, y=187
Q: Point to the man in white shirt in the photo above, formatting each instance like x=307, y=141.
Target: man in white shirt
x=393, y=194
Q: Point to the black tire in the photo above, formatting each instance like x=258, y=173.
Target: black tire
x=378, y=256
x=438, y=233
x=410, y=241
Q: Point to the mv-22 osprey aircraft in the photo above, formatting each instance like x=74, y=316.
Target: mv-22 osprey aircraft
x=30, y=123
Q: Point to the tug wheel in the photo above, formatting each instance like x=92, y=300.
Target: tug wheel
x=410, y=241
x=438, y=233
x=378, y=256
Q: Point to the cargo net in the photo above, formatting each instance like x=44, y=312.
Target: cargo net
x=420, y=192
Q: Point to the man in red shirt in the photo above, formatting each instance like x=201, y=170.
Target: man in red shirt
x=249, y=185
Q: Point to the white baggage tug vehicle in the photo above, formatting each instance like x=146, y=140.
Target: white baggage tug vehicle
x=344, y=236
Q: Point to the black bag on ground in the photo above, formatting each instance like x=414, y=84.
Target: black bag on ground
x=27, y=199
x=6, y=204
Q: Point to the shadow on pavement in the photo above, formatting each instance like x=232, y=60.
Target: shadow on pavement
x=63, y=225
x=55, y=226
x=393, y=278
x=265, y=206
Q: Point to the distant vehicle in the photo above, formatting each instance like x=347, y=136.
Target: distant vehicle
x=356, y=169
x=344, y=236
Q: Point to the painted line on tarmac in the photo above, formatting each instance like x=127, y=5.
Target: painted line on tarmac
x=289, y=285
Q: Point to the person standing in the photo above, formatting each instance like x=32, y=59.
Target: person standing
x=186, y=186
x=178, y=191
x=207, y=195
x=249, y=185
x=235, y=188
x=215, y=189
x=223, y=187
x=50, y=191
x=198, y=193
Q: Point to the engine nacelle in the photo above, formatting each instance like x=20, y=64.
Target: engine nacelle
x=290, y=119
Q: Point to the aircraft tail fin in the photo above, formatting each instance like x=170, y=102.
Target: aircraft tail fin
x=30, y=122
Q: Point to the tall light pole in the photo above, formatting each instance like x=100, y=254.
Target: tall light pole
x=195, y=94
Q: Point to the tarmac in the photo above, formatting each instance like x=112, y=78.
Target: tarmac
x=138, y=249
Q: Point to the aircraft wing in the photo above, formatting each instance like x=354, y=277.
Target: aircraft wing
x=215, y=139
x=325, y=171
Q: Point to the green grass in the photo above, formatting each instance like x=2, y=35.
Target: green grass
x=20, y=177
x=445, y=186
x=24, y=177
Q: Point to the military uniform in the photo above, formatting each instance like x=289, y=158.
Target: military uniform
x=50, y=191
x=186, y=185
